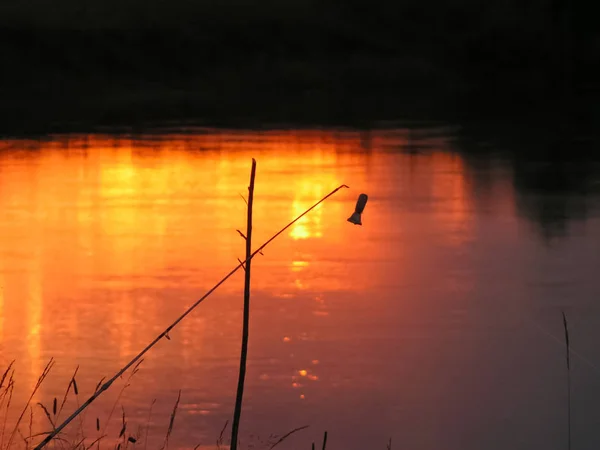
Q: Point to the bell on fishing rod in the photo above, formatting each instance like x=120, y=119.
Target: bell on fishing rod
x=360, y=207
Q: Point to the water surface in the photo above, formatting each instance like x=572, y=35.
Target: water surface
x=436, y=323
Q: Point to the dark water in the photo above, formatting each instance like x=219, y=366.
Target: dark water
x=437, y=323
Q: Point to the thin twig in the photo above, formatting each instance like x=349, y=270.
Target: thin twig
x=246, y=321
x=108, y=383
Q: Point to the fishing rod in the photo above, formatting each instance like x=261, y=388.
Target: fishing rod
x=165, y=333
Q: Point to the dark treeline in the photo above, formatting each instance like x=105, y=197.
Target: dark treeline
x=297, y=60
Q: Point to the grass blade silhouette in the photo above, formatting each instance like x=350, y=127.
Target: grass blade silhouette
x=287, y=435
x=566, y=327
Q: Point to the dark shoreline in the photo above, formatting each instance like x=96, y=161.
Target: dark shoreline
x=66, y=103
x=330, y=66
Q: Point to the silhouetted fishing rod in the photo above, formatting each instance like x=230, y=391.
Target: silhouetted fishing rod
x=165, y=333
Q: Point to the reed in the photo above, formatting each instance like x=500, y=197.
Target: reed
x=171, y=422
x=148, y=423
x=47, y=415
x=30, y=427
x=220, y=439
x=568, y=360
x=39, y=382
x=116, y=402
x=124, y=439
x=6, y=396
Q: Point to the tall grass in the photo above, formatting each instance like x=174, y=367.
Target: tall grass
x=23, y=430
x=15, y=429
x=122, y=438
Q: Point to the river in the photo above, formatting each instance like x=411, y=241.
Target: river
x=437, y=323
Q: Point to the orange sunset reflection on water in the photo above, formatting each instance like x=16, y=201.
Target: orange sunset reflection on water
x=105, y=240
